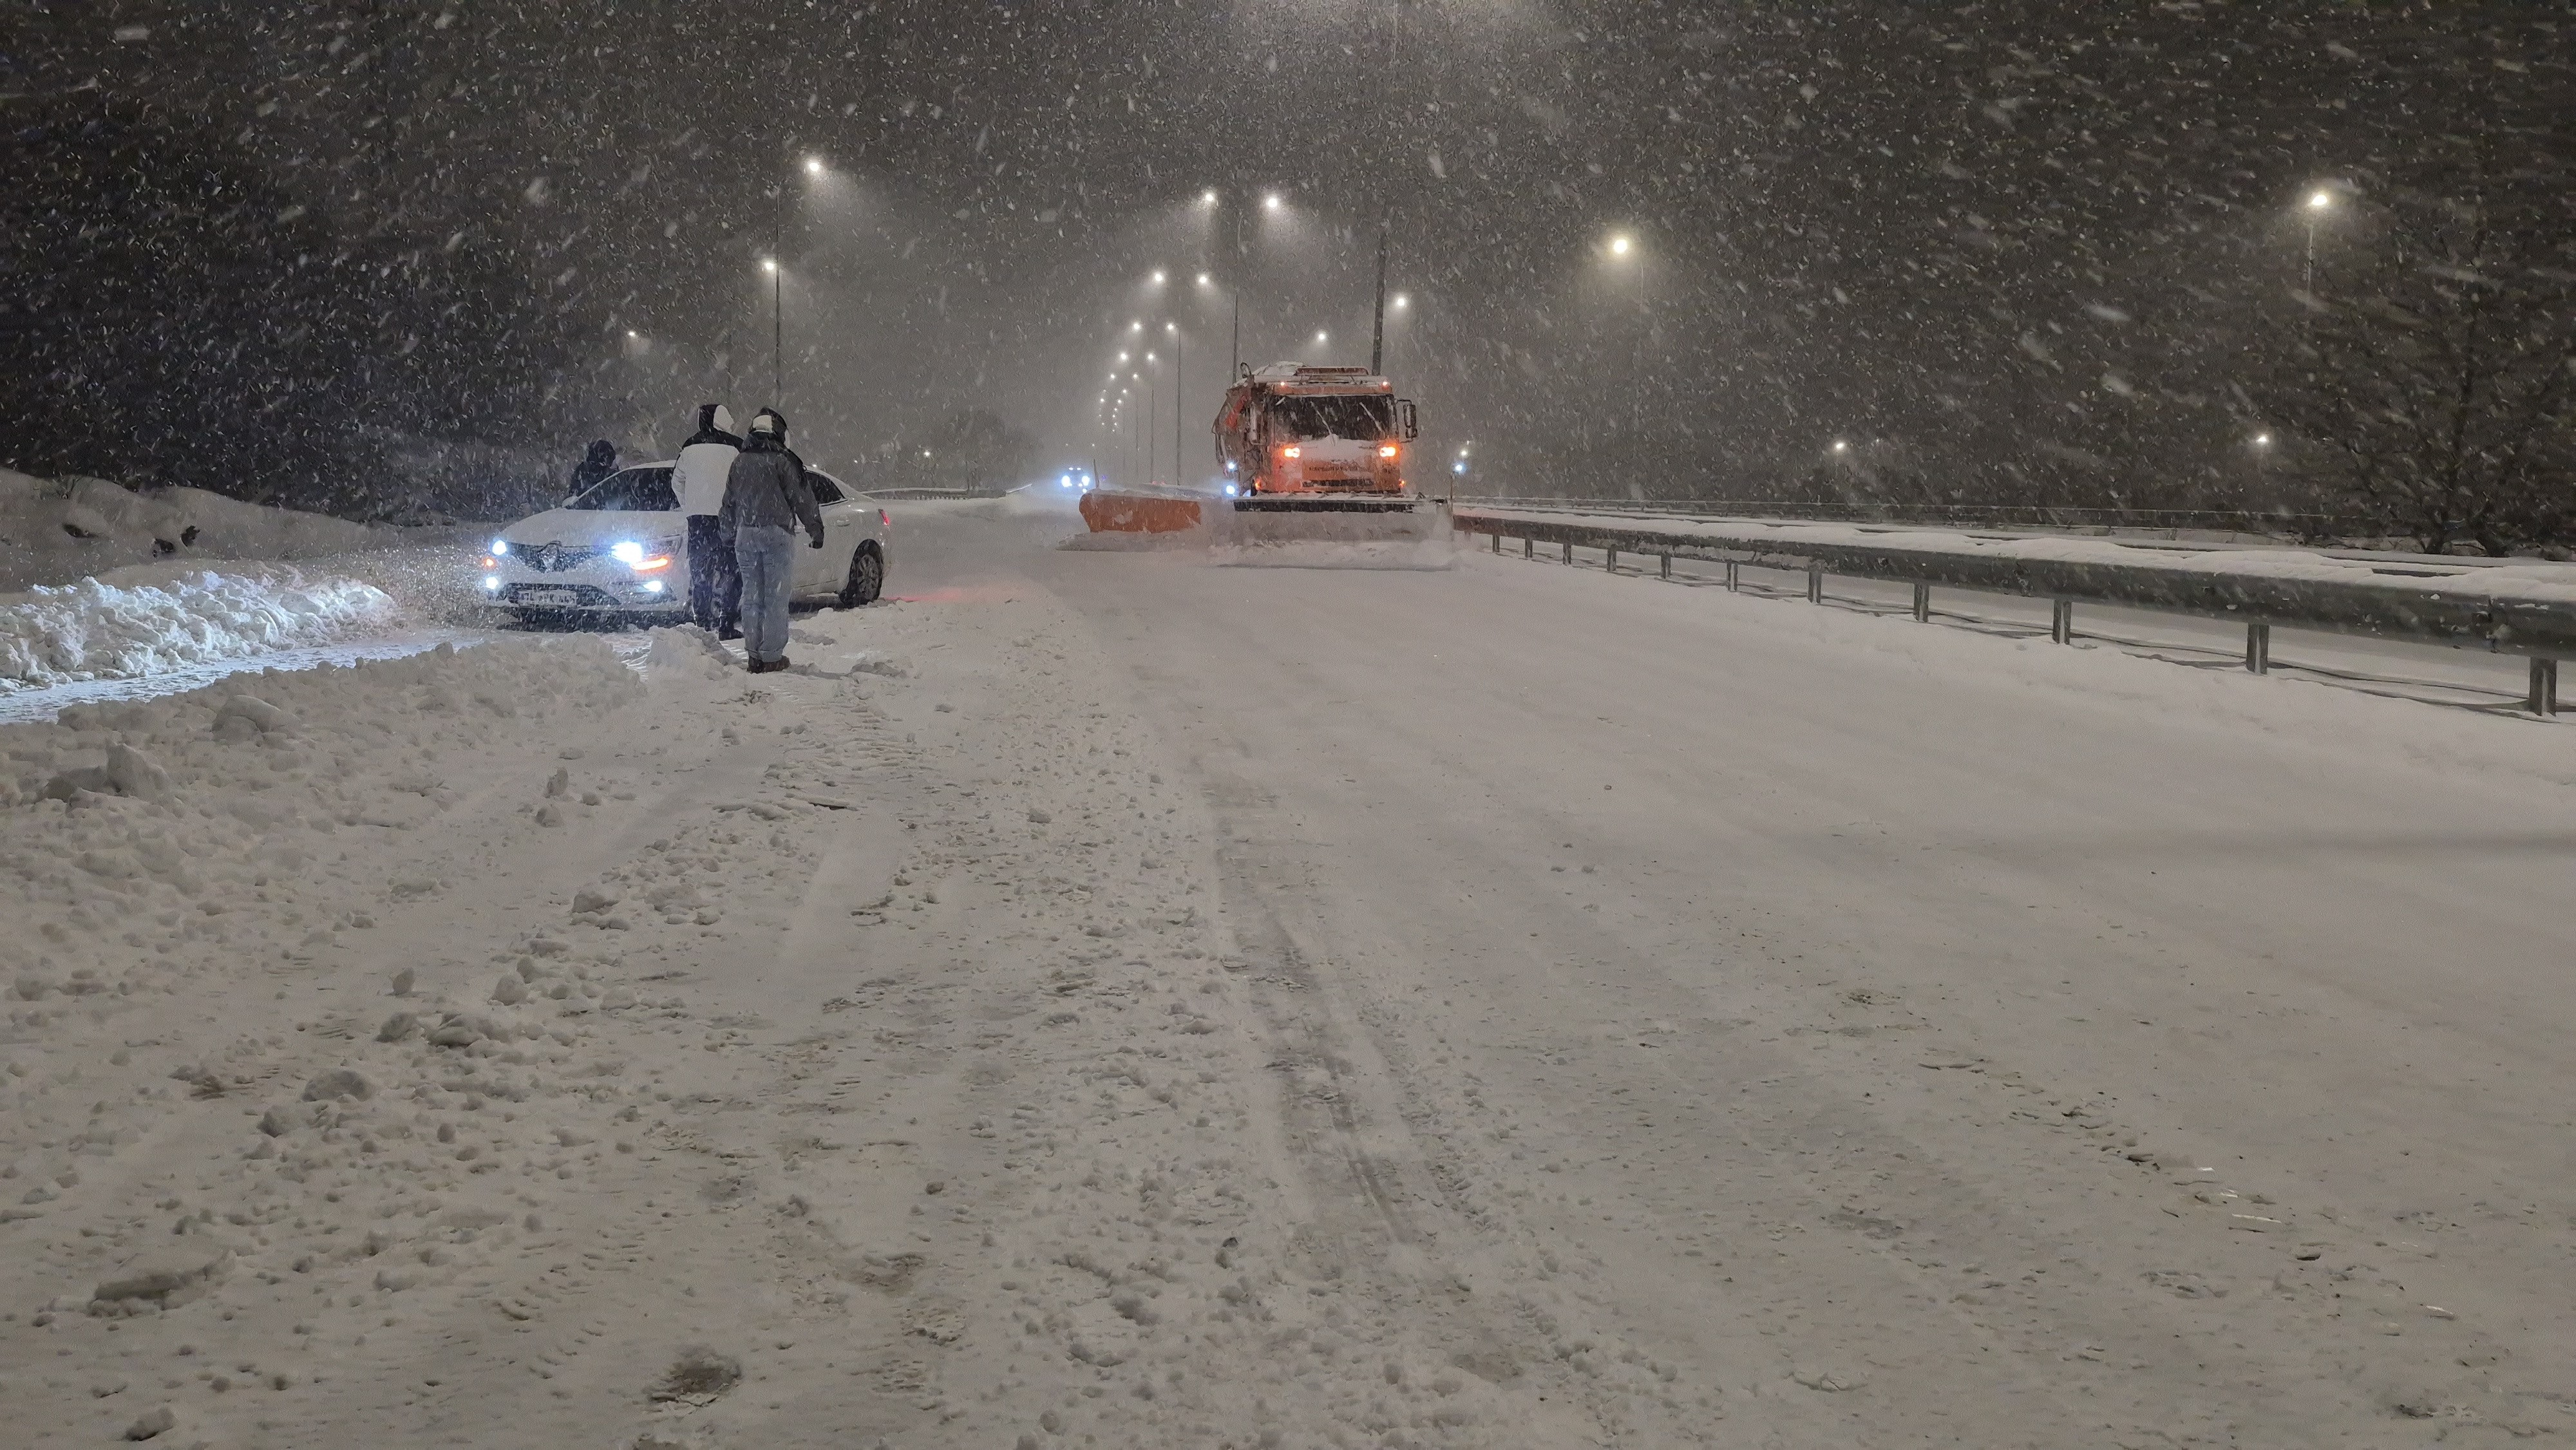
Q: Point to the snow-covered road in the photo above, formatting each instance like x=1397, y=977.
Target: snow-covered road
x=1108, y=1000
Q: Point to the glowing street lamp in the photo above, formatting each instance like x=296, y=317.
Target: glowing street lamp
x=813, y=165
x=1841, y=446
x=1271, y=202
x=1158, y=278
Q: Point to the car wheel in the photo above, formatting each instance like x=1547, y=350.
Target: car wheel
x=867, y=577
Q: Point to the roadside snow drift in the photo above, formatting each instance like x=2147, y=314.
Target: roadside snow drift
x=53, y=531
x=103, y=630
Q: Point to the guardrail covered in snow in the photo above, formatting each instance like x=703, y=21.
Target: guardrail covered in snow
x=2274, y=524
x=2504, y=605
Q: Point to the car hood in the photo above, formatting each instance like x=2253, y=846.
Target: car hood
x=597, y=526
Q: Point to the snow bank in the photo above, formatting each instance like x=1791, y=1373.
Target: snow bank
x=56, y=531
x=155, y=619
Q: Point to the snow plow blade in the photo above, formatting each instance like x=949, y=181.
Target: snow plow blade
x=1332, y=519
x=1128, y=513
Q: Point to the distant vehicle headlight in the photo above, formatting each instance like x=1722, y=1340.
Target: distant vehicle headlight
x=1229, y=490
x=627, y=553
x=500, y=546
x=491, y=581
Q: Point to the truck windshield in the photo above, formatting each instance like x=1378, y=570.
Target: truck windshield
x=1365, y=417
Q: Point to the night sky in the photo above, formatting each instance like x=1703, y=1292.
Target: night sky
x=2002, y=243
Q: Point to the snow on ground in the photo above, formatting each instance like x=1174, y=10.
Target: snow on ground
x=60, y=531
x=155, y=619
x=1108, y=1000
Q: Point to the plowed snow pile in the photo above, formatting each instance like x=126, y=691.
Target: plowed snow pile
x=101, y=630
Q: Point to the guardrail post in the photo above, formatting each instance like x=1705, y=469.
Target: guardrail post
x=2061, y=621
x=1922, y=603
x=1815, y=586
x=1498, y=541
x=1612, y=566
x=2258, y=647
x=1569, y=551
x=1734, y=581
x=1668, y=566
x=2544, y=686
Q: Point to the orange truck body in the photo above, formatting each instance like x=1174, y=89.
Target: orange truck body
x=1295, y=431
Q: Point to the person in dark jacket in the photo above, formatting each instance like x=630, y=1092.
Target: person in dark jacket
x=706, y=461
x=766, y=498
x=595, y=465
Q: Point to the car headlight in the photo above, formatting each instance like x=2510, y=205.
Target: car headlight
x=500, y=546
x=627, y=553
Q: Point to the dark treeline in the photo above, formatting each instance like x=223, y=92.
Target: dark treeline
x=173, y=316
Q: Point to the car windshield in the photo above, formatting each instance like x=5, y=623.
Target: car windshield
x=1365, y=417
x=631, y=490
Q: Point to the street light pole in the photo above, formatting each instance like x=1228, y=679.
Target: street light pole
x=1178, y=405
x=1377, y=335
x=777, y=331
x=2318, y=201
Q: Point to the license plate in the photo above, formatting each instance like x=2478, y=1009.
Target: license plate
x=562, y=597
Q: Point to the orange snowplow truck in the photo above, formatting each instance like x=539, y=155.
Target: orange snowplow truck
x=1294, y=438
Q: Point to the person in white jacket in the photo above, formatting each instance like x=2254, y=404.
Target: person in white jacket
x=706, y=461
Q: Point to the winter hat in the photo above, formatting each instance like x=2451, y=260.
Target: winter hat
x=771, y=422
x=723, y=417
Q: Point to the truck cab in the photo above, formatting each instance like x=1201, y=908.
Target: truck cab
x=1294, y=429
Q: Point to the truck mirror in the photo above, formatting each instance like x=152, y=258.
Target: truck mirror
x=1412, y=424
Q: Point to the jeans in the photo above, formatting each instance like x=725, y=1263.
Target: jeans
x=715, y=586
x=767, y=559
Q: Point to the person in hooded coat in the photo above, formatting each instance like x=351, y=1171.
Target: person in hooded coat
x=595, y=465
x=766, y=498
x=706, y=461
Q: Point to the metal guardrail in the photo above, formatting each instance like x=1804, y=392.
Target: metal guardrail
x=2000, y=516
x=2387, y=605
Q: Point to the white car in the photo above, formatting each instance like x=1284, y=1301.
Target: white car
x=622, y=549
